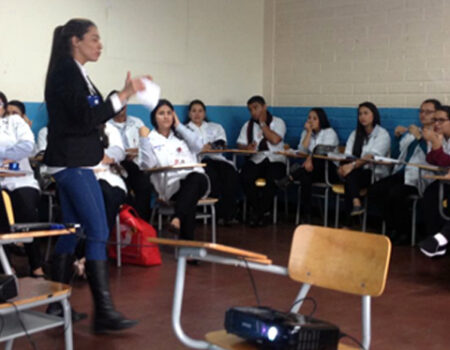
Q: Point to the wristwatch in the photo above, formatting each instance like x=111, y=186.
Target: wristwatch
x=262, y=124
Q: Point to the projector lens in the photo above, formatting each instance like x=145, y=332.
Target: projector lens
x=272, y=333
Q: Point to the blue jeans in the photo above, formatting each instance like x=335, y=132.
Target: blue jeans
x=82, y=202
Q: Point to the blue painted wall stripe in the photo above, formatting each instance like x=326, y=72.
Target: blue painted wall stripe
x=343, y=119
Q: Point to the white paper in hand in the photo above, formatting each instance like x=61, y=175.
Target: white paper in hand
x=149, y=97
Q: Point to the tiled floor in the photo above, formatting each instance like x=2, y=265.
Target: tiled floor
x=411, y=314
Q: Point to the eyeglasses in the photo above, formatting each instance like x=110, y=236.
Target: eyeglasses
x=440, y=120
x=426, y=111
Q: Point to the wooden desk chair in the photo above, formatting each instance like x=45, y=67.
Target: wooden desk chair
x=34, y=292
x=166, y=208
x=162, y=208
x=340, y=260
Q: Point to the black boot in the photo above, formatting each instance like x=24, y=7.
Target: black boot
x=106, y=317
x=62, y=271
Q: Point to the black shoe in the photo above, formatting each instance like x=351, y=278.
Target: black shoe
x=106, y=317
x=434, y=246
x=283, y=183
x=56, y=309
x=357, y=210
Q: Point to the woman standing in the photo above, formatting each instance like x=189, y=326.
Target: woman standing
x=171, y=143
x=221, y=171
x=76, y=111
x=368, y=140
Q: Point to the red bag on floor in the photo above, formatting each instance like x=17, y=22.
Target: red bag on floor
x=134, y=231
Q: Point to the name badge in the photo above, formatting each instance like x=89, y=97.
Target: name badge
x=93, y=100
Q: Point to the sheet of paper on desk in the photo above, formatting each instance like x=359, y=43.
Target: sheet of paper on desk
x=150, y=96
x=386, y=159
x=338, y=155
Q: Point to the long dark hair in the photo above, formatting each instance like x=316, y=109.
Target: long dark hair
x=3, y=100
x=323, y=119
x=62, y=45
x=196, y=102
x=360, y=131
x=160, y=104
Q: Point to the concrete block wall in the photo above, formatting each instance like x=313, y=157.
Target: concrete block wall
x=395, y=53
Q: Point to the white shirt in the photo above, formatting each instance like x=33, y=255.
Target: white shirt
x=129, y=132
x=42, y=139
x=115, y=151
x=326, y=137
x=278, y=126
x=17, y=143
x=210, y=132
x=412, y=173
x=378, y=144
x=157, y=150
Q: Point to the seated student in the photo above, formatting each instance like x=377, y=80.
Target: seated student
x=263, y=133
x=172, y=143
x=42, y=139
x=113, y=188
x=137, y=181
x=439, y=139
x=368, y=140
x=317, y=132
x=390, y=194
x=221, y=171
x=16, y=145
x=18, y=107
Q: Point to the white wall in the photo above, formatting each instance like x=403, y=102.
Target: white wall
x=342, y=52
x=208, y=49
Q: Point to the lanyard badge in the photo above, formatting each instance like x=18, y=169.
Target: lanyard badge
x=93, y=100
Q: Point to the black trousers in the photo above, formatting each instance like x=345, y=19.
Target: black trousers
x=433, y=220
x=192, y=188
x=354, y=182
x=113, y=197
x=224, y=183
x=140, y=189
x=25, y=203
x=260, y=198
x=307, y=178
x=390, y=196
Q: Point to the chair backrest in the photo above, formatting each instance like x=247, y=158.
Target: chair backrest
x=8, y=207
x=342, y=260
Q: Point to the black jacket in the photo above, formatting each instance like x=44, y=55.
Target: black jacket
x=73, y=125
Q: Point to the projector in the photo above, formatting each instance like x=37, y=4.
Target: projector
x=280, y=330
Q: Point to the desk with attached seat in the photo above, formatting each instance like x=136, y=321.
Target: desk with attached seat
x=341, y=260
x=33, y=292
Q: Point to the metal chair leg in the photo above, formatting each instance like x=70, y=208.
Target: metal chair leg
x=336, y=215
x=326, y=197
x=275, y=209
x=118, y=241
x=297, y=213
x=413, y=222
x=213, y=223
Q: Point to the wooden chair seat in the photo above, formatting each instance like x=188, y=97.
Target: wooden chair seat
x=340, y=189
x=231, y=342
x=32, y=290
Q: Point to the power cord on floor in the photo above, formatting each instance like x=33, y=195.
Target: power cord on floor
x=252, y=280
x=311, y=299
x=33, y=344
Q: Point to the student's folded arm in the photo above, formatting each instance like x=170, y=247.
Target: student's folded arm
x=194, y=142
x=147, y=155
x=438, y=157
x=20, y=150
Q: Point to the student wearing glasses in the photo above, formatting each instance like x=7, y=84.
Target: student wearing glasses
x=391, y=194
x=439, y=140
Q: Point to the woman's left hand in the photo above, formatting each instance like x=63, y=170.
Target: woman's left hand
x=308, y=165
x=176, y=120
